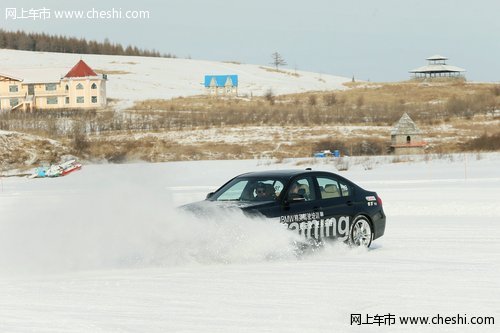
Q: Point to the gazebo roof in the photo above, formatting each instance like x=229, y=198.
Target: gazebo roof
x=405, y=126
x=437, y=57
x=437, y=69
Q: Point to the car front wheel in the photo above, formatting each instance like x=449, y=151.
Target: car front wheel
x=361, y=233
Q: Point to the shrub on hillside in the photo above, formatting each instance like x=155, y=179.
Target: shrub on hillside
x=79, y=137
x=330, y=99
x=269, y=96
x=354, y=147
x=485, y=142
x=331, y=145
x=496, y=90
x=369, y=147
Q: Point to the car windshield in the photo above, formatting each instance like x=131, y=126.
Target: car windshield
x=250, y=189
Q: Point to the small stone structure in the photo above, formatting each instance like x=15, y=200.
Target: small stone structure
x=406, y=137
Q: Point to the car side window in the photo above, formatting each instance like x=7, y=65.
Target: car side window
x=266, y=189
x=332, y=188
x=301, y=189
x=234, y=192
x=329, y=188
x=345, y=189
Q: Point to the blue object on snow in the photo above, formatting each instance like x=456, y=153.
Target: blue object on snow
x=41, y=172
x=221, y=80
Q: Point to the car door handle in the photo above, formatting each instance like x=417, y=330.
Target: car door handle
x=349, y=203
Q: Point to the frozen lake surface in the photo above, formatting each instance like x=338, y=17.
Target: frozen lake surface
x=105, y=250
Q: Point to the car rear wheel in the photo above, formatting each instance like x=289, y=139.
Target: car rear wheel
x=361, y=233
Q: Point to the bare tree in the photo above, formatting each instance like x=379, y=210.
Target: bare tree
x=278, y=60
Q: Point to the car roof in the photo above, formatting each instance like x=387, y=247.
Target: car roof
x=288, y=173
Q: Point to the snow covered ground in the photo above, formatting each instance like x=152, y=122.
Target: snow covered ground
x=138, y=78
x=104, y=250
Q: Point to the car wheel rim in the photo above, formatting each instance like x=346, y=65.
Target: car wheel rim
x=361, y=233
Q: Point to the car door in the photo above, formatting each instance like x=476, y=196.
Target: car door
x=336, y=205
x=300, y=210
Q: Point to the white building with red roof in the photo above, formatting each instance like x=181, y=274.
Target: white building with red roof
x=29, y=89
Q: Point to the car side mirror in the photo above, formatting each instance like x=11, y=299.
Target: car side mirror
x=209, y=195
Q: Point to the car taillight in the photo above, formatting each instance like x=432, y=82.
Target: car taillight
x=379, y=201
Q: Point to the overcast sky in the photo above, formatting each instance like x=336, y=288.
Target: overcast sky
x=373, y=40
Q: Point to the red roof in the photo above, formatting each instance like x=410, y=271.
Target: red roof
x=81, y=69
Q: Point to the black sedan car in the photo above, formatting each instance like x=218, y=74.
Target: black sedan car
x=316, y=204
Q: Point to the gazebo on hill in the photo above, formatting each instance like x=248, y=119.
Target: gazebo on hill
x=437, y=67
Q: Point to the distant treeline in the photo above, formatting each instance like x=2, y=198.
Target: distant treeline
x=21, y=40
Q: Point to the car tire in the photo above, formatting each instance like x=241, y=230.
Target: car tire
x=361, y=233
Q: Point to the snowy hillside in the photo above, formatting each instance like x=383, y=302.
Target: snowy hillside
x=105, y=250
x=139, y=78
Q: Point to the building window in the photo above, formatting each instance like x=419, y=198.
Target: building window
x=408, y=139
x=67, y=87
x=14, y=102
x=94, y=86
x=13, y=88
x=94, y=99
x=67, y=100
x=79, y=86
x=80, y=100
x=51, y=100
x=50, y=87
